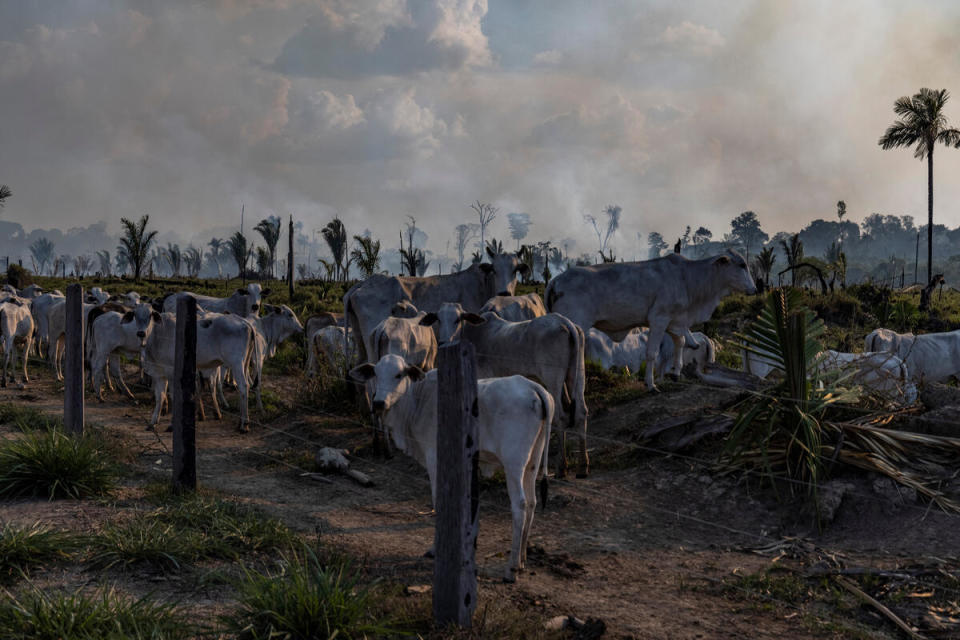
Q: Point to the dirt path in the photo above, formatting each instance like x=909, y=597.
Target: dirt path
x=642, y=547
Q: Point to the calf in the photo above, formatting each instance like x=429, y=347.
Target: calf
x=16, y=327
x=883, y=375
x=405, y=337
x=113, y=333
x=312, y=326
x=548, y=349
x=516, y=308
x=513, y=425
x=40, y=308
x=330, y=341
x=279, y=323
x=930, y=357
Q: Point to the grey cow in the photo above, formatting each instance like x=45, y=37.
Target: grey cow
x=668, y=294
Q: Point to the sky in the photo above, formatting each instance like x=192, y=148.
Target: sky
x=679, y=112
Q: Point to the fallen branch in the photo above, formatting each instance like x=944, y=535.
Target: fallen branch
x=890, y=615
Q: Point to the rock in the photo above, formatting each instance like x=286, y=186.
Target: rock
x=936, y=395
x=329, y=459
x=418, y=589
x=829, y=497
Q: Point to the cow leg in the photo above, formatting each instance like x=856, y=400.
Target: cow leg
x=241, y=380
x=26, y=351
x=679, y=340
x=219, y=388
x=214, y=381
x=311, y=359
x=198, y=394
x=118, y=374
x=654, y=338
x=159, y=396
x=518, y=511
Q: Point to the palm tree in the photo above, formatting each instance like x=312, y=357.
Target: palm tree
x=216, y=248
x=5, y=193
x=366, y=254
x=237, y=244
x=922, y=123
x=135, y=243
x=103, y=257
x=174, y=258
x=765, y=260
x=794, y=252
x=269, y=230
x=263, y=262
x=42, y=252
x=193, y=258
x=336, y=236
x=121, y=263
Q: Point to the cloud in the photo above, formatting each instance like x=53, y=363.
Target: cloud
x=691, y=37
x=389, y=37
x=553, y=56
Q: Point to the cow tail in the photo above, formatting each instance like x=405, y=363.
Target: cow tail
x=547, y=408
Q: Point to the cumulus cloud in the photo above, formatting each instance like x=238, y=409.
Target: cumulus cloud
x=553, y=56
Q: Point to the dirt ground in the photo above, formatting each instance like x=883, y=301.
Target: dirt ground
x=652, y=544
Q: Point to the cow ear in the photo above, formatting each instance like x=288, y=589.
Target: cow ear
x=722, y=260
x=127, y=317
x=157, y=317
x=428, y=319
x=491, y=253
x=363, y=373
x=265, y=292
x=523, y=268
x=242, y=292
x=415, y=372
x=473, y=318
x=486, y=268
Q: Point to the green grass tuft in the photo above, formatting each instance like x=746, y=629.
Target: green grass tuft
x=27, y=418
x=50, y=463
x=144, y=543
x=307, y=599
x=25, y=547
x=77, y=616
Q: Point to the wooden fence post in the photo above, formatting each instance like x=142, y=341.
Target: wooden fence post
x=290, y=261
x=454, y=569
x=185, y=397
x=73, y=361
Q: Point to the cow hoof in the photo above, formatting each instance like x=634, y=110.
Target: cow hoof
x=150, y=427
x=244, y=428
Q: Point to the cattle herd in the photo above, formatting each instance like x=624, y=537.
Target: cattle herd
x=530, y=355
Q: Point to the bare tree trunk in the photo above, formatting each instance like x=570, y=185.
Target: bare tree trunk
x=930, y=213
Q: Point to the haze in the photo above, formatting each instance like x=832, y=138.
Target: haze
x=680, y=113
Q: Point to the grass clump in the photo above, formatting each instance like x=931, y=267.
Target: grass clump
x=105, y=614
x=27, y=418
x=48, y=462
x=306, y=599
x=144, y=543
x=25, y=547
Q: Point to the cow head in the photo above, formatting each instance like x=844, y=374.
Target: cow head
x=143, y=317
x=96, y=295
x=253, y=295
x=502, y=272
x=393, y=377
x=448, y=321
x=733, y=273
x=404, y=309
x=280, y=322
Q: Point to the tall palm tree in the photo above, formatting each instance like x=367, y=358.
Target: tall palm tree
x=103, y=257
x=42, y=252
x=237, y=244
x=5, y=193
x=336, y=236
x=366, y=254
x=269, y=230
x=794, y=253
x=216, y=248
x=135, y=243
x=193, y=258
x=922, y=123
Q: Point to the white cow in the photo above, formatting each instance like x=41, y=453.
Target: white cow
x=96, y=296
x=277, y=325
x=222, y=341
x=631, y=352
x=40, y=308
x=372, y=300
x=242, y=302
x=312, y=326
x=406, y=337
x=330, y=341
x=882, y=374
x=56, y=328
x=16, y=327
x=548, y=349
x=669, y=294
x=516, y=308
x=111, y=334
x=930, y=357
x=31, y=291
x=885, y=340
x=514, y=416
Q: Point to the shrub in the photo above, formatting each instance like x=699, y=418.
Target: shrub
x=18, y=276
x=144, y=543
x=27, y=418
x=48, y=462
x=36, y=615
x=307, y=599
x=26, y=547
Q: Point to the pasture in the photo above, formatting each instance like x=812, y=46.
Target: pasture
x=661, y=541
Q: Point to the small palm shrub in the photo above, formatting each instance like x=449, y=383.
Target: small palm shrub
x=25, y=547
